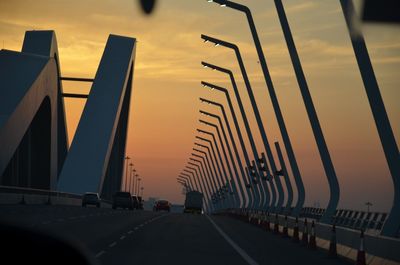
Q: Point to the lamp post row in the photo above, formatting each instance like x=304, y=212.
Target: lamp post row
x=264, y=189
x=131, y=182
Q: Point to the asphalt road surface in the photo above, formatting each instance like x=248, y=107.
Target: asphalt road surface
x=144, y=237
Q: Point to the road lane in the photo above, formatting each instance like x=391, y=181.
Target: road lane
x=145, y=237
x=174, y=239
x=268, y=248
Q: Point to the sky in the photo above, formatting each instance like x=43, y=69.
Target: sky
x=165, y=99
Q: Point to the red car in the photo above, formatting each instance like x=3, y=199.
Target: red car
x=162, y=205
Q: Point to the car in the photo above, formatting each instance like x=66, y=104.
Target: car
x=140, y=200
x=162, y=205
x=122, y=199
x=91, y=198
x=135, y=202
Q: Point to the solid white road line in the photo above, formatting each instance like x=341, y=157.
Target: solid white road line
x=130, y=232
x=122, y=238
x=239, y=250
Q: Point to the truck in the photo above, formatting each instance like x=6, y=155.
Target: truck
x=193, y=202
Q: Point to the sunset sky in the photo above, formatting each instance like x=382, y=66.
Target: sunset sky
x=164, y=107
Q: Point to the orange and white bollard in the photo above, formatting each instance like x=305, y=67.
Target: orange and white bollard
x=361, y=260
x=267, y=223
x=332, y=253
x=313, y=241
x=276, y=225
x=296, y=231
x=304, y=238
x=285, y=228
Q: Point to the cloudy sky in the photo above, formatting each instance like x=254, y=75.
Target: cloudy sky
x=164, y=110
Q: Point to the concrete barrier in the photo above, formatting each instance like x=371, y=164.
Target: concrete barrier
x=17, y=195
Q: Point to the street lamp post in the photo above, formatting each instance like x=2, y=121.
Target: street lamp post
x=382, y=122
x=201, y=178
x=184, y=183
x=206, y=176
x=263, y=188
x=286, y=177
x=183, y=174
x=210, y=184
x=252, y=195
x=215, y=167
x=239, y=183
x=220, y=158
x=139, y=179
x=246, y=201
x=129, y=182
x=187, y=180
x=258, y=119
x=274, y=100
x=213, y=179
x=141, y=191
x=196, y=177
x=259, y=122
x=126, y=171
x=192, y=177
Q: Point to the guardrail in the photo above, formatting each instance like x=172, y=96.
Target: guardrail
x=349, y=218
x=19, y=195
x=379, y=249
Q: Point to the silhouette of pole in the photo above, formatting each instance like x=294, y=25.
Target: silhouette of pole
x=286, y=177
x=203, y=176
x=388, y=141
x=214, y=163
x=210, y=182
x=198, y=187
x=183, y=175
x=126, y=171
x=275, y=103
x=219, y=155
x=191, y=177
x=239, y=183
x=183, y=184
x=130, y=177
x=312, y=116
x=263, y=188
x=139, y=179
x=200, y=178
x=186, y=180
x=267, y=147
x=215, y=178
x=252, y=192
x=194, y=171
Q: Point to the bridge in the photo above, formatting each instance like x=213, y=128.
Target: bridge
x=254, y=209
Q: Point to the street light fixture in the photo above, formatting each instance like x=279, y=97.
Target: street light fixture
x=209, y=167
x=219, y=156
x=216, y=127
x=254, y=194
x=204, y=174
x=126, y=170
x=226, y=157
x=263, y=189
x=285, y=136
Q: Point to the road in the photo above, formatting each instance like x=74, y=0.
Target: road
x=144, y=237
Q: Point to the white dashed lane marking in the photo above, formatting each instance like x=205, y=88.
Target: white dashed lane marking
x=112, y=244
x=98, y=255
